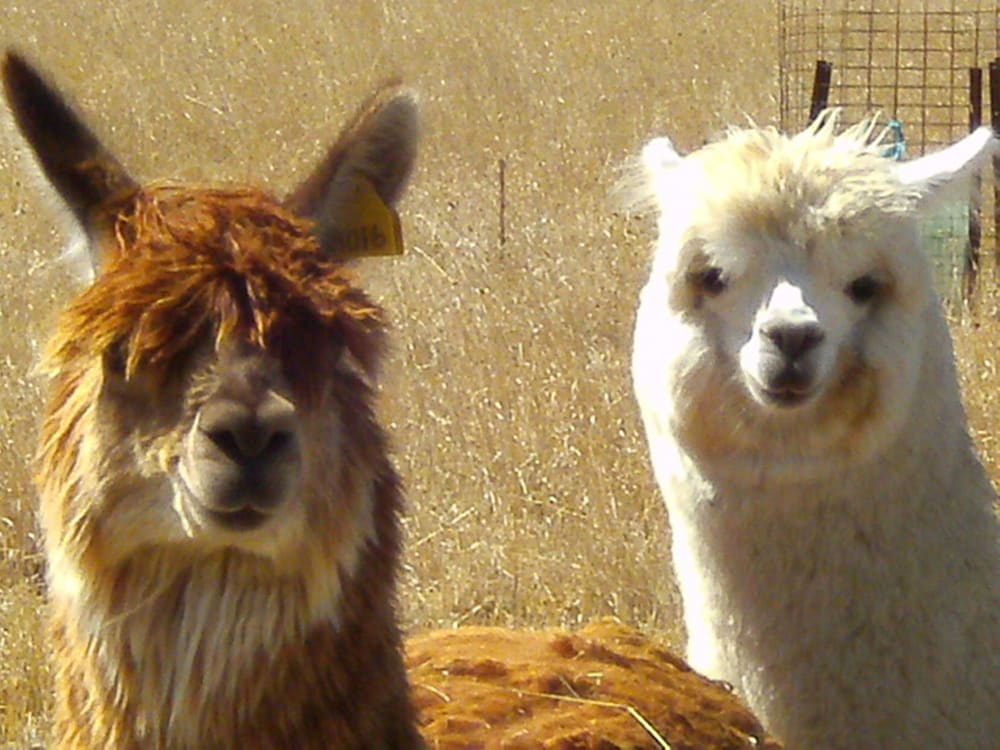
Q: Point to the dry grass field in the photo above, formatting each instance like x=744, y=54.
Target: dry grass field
x=507, y=394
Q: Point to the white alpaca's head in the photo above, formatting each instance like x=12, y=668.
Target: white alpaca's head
x=789, y=295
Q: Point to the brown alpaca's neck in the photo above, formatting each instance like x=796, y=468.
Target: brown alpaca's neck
x=219, y=655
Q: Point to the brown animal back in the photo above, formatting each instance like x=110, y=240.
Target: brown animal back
x=603, y=687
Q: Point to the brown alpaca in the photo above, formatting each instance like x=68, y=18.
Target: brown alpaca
x=603, y=687
x=220, y=515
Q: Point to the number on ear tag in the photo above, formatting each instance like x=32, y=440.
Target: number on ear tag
x=371, y=228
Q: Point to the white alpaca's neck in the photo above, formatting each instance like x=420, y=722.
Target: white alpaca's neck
x=867, y=603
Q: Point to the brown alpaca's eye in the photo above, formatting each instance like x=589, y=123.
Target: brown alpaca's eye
x=115, y=359
x=709, y=281
x=864, y=289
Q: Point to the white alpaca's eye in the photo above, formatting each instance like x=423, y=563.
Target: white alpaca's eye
x=709, y=281
x=864, y=289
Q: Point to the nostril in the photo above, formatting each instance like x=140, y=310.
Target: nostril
x=249, y=441
x=244, y=432
x=812, y=337
x=279, y=441
x=225, y=441
x=793, y=339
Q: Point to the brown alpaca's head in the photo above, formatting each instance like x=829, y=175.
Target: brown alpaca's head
x=211, y=386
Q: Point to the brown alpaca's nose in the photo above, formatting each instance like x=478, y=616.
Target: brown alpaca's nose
x=246, y=431
x=243, y=457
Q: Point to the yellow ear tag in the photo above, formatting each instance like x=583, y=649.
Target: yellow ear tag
x=371, y=227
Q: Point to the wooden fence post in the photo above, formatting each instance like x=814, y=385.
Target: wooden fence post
x=821, y=88
x=995, y=123
x=502, y=208
x=971, y=270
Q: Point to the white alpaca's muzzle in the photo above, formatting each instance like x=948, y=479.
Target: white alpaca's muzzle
x=784, y=363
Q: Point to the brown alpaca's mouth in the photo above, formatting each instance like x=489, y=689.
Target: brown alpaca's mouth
x=242, y=458
x=242, y=519
x=231, y=497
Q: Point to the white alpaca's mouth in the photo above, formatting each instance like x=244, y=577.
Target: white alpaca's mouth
x=783, y=392
x=786, y=398
x=783, y=382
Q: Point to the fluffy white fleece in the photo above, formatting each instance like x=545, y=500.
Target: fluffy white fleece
x=833, y=531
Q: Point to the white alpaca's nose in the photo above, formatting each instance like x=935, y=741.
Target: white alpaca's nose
x=789, y=323
x=794, y=339
x=784, y=359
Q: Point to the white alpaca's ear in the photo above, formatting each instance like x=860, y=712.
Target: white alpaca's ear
x=936, y=176
x=644, y=184
x=660, y=156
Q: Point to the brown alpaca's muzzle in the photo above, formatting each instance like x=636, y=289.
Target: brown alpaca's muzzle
x=242, y=457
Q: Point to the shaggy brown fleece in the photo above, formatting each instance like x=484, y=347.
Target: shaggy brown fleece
x=603, y=687
x=186, y=258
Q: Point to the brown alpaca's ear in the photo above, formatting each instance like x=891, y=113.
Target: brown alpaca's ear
x=85, y=174
x=352, y=193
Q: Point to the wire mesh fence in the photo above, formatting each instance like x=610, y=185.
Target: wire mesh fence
x=922, y=66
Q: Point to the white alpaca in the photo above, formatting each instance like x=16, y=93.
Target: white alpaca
x=833, y=534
